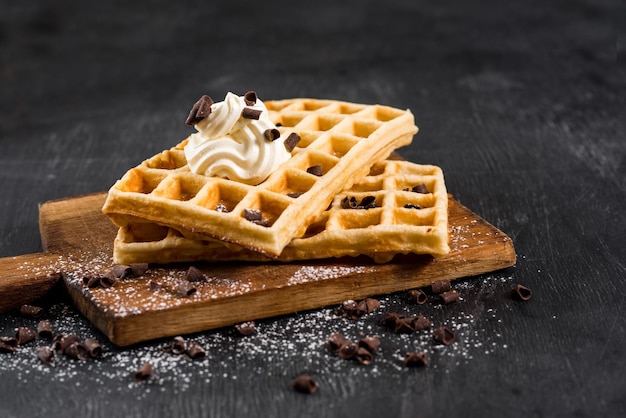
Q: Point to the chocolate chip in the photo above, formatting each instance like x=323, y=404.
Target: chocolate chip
x=220, y=207
x=195, y=351
x=417, y=296
x=443, y=335
x=93, y=347
x=304, y=384
x=121, y=271
x=334, y=341
x=355, y=310
x=186, y=289
x=252, y=215
x=108, y=280
x=250, y=98
x=76, y=350
x=520, y=292
x=415, y=359
x=370, y=343
x=25, y=335
x=347, y=349
x=420, y=322
x=411, y=206
x=249, y=113
x=139, y=269
x=154, y=285
x=295, y=195
x=177, y=345
x=349, y=202
x=44, y=329
x=194, y=274
x=246, y=328
x=364, y=356
x=450, y=296
x=291, y=141
x=404, y=325
x=420, y=188
x=91, y=281
x=316, y=170
x=45, y=354
x=271, y=134
x=368, y=202
x=143, y=373
x=8, y=344
x=200, y=110
x=440, y=286
x=31, y=311
x=63, y=341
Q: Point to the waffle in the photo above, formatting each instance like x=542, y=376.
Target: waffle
x=401, y=221
x=343, y=139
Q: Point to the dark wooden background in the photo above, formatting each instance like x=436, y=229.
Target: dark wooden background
x=521, y=103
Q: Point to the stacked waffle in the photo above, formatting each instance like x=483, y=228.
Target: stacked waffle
x=337, y=195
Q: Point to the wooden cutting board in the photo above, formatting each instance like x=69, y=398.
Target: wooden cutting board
x=77, y=239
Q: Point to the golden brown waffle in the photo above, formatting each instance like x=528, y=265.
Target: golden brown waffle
x=344, y=139
x=401, y=219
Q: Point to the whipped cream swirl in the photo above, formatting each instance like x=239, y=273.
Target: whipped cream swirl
x=229, y=144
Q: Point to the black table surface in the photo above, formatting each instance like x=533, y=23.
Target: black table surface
x=521, y=103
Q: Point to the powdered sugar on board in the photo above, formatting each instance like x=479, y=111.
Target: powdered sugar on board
x=279, y=348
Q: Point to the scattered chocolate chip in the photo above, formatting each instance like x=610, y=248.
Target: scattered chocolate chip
x=139, y=269
x=93, y=347
x=295, y=195
x=121, y=271
x=347, y=350
x=25, y=335
x=404, y=325
x=415, y=359
x=63, y=341
x=349, y=202
x=450, y=296
x=194, y=274
x=250, y=113
x=443, y=335
x=186, y=289
x=411, y=206
x=520, y=292
x=195, y=351
x=271, y=134
x=355, y=310
x=246, y=328
x=8, y=344
x=91, y=281
x=420, y=322
x=177, y=345
x=45, y=354
x=108, y=280
x=364, y=356
x=417, y=296
x=154, y=285
x=31, y=311
x=76, y=350
x=44, y=329
x=291, y=141
x=220, y=207
x=368, y=202
x=250, y=98
x=370, y=343
x=420, y=188
x=200, y=110
x=440, y=286
x=304, y=384
x=143, y=373
x=316, y=170
x=252, y=215
x=334, y=341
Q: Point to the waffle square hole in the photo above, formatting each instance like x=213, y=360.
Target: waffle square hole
x=415, y=217
x=321, y=122
x=168, y=160
x=220, y=197
x=316, y=163
x=350, y=108
x=368, y=184
x=337, y=146
x=140, y=181
x=179, y=188
x=355, y=219
x=288, y=120
x=416, y=201
x=385, y=114
x=415, y=185
x=293, y=183
x=270, y=205
x=316, y=227
x=362, y=128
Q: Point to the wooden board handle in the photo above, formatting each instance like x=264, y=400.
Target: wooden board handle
x=26, y=278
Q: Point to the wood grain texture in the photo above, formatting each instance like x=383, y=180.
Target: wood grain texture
x=131, y=311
